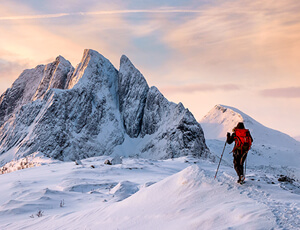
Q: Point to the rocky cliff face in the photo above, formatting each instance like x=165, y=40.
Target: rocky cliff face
x=69, y=114
x=33, y=84
x=133, y=90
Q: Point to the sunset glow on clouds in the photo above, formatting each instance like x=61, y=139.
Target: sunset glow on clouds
x=243, y=54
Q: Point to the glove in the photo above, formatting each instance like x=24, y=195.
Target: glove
x=228, y=135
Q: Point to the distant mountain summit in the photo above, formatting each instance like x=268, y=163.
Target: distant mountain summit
x=272, y=147
x=222, y=119
x=72, y=113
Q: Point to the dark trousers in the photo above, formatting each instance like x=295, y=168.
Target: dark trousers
x=238, y=161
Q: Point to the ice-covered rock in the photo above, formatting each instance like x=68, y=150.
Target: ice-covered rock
x=54, y=76
x=33, y=84
x=81, y=122
x=133, y=90
x=173, y=129
x=70, y=114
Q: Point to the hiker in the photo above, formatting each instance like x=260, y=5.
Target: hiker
x=243, y=141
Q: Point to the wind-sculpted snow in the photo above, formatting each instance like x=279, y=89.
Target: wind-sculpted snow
x=69, y=114
x=146, y=194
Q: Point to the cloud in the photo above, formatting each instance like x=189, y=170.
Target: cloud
x=290, y=92
x=253, y=39
x=200, y=88
x=8, y=67
x=104, y=12
x=215, y=42
x=9, y=71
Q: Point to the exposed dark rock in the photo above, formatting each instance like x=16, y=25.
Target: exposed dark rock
x=283, y=178
x=133, y=90
x=107, y=162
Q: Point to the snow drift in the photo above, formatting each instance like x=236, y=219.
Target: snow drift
x=143, y=194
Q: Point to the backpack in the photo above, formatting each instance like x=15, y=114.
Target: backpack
x=242, y=140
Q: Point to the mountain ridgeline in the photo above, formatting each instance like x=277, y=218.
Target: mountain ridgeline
x=94, y=109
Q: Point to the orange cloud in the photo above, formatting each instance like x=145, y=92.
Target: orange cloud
x=9, y=71
x=257, y=40
x=199, y=88
x=290, y=92
x=103, y=12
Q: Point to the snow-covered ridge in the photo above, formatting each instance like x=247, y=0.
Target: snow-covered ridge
x=67, y=114
x=270, y=147
x=222, y=119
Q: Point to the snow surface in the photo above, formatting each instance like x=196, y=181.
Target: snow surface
x=145, y=194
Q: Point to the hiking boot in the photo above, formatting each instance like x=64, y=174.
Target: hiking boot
x=242, y=178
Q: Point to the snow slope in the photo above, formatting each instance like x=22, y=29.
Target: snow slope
x=145, y=194
x=222, y=119
x=270, y=148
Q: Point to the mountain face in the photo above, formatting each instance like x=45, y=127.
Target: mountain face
x=69, y=114
x=33, y=84
x=133, y=91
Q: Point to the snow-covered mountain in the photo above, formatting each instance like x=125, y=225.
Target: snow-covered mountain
x=270, y=147
x=222, y=119
x=69, y=114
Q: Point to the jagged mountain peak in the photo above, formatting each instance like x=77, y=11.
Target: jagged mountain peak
x=92, y=64
x=61, y=59
x=124, y=59
x=95, y=110
x=54, y=77
x=33, y=84
x=130, y=71
x=133, y=91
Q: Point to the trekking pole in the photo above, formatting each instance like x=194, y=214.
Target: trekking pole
x=220, y=159
x=245, y=166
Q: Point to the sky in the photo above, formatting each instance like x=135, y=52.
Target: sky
x=243, y=54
